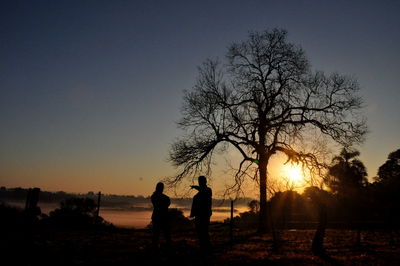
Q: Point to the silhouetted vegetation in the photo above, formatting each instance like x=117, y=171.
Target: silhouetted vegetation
x=177, y=221
x=263, y=100
x=122, y=202
x=76, y=213
x=383, y=194
x=108, y=200
x=245, y=220
x=351, y=203
x=11, y=217
x=351, y=219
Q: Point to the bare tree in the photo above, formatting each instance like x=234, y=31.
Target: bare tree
x=265, y=99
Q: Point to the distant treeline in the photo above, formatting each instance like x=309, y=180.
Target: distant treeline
x=107, y=200
x=20, y=194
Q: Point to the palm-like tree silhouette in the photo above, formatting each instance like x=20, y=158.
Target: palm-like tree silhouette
x=347, y=174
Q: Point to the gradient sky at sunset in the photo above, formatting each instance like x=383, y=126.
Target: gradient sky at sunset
x=91, y=90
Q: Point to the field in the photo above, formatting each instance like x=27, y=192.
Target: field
x=118, y=246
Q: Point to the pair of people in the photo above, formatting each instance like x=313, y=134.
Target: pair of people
x=201, y=211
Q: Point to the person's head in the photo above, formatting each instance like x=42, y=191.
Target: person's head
x=202, y=181
x=160, y=187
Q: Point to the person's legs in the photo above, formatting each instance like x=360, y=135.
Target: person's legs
x=167, y=233
x=202, y=225
x=206, y=237
x=156, y=233
x=198, y=225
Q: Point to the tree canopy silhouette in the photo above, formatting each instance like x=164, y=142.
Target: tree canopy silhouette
x=389, y=172
x=387, y=188
x=263, y=100
x=347, y=173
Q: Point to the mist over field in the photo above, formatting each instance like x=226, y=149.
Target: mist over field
x=124, y=211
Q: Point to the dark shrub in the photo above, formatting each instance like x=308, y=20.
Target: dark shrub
x=76, y=213
x=11, y=217
x=245, y=220
x=178, y=221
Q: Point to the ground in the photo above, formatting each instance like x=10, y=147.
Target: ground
x=118, y=246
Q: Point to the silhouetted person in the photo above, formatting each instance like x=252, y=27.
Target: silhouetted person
x=159, y=217
x=201, y=211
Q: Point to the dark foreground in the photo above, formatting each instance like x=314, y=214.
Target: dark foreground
x=133, y=247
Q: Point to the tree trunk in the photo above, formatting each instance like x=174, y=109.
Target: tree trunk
x=262, y=168
x=265, y=223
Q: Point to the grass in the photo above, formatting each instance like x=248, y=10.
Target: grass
x=51, y=246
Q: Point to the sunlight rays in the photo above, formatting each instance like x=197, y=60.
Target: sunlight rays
x=293, y=173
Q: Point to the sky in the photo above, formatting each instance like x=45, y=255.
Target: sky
x=90, y=91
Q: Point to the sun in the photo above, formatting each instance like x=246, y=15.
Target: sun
x=293, y=172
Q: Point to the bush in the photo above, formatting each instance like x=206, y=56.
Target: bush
x=11, y=217
x=177, y=220
x=76, y=213
x=245, y=220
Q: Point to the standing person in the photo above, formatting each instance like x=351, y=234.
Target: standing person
x=159, y=217
x=201, y=211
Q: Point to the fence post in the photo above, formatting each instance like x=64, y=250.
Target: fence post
x=30, y=213
x=98, y=204
x=231, y=224
x=32, y=200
